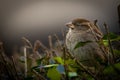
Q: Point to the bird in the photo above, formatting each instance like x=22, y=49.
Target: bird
x=84, y=31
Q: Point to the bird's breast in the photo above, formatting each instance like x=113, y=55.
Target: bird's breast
x=72, y=38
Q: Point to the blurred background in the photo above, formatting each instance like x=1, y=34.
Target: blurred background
x=36, y=19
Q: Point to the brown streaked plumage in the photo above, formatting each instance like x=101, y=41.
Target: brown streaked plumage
x=82, y=30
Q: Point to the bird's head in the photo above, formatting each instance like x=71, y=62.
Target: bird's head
x=78, y=24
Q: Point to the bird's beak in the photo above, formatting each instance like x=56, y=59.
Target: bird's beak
x=70, y=25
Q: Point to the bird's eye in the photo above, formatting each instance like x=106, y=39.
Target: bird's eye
x=72, y=28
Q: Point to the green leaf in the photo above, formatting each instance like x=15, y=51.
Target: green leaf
x=105, y=42
x=70, y=61
x=108, y=70
x=72, y=74
x=53, y=74
x=59, y=60
x=112, y=69
x=112, y=36
x=72, y=66
x=81, y=44
x=117, y=66
x=117, y=52
x=51, y=65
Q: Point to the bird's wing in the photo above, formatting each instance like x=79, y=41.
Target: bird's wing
x=96, y=32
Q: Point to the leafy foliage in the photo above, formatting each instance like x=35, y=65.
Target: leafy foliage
x=59, y=60
x=61, y=65
x=54, y=71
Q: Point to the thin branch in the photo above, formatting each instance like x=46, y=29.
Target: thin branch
x=58, y=41
x=6, y=66
x=95, y=23
x=50, y=41
x=65, y=65
x=108, y=37
x=43, y=47
x=25, y=55
x=36, y=47
x=37, y=74
x=27, y=42
x=13, y=61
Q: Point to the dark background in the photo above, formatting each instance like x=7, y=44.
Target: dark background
x=36, y=19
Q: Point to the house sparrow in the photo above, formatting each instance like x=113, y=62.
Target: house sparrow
x=82, y=30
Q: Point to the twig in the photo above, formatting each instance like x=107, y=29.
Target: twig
x=43, y=47
x=50, y=42
x=6, y=66
x=37, y=74
x=27, y=42
x=108, y=37
x=95, y=23
x=65, y=65
x=25, y=55
x=58, y=41
x=13, y=61
x=97, y=39
x=36, y=47
x=63, y=34
x=1, y=46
